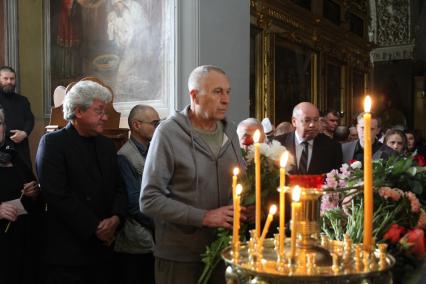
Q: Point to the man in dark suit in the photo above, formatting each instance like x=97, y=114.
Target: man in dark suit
x=81, y=183
x=313, y=152
x=354, y=150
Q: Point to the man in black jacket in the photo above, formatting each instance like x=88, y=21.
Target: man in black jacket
x=80, y=180
x=19, y=118
x=313, y=152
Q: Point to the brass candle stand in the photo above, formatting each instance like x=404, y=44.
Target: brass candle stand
x=317, y=260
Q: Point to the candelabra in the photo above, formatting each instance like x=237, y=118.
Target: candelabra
x=315, y=258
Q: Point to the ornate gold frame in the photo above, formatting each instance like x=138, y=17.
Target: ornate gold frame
x=298, y=26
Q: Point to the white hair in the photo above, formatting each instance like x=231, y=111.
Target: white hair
x=199, y=73
x=82, y=95
x=249, y=121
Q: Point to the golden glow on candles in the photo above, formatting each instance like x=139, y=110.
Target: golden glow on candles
x=368, y=177
x=256, y=138
x=283, y=163
x=236, y=226
x=236, y=171
x=295, y=207
x=272, y=211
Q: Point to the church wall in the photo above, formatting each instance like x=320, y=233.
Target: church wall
x=225, y=41
x=30, y=17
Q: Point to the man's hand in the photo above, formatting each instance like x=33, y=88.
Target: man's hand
x=8, y=211
x=221, y=217
x=18, y=135
x=31, y=189
x=106, y=229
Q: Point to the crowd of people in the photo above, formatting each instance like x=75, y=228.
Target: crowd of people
x=146, y=213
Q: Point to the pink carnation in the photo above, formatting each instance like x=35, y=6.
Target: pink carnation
x=422, y=219
x=389, y=193
x=329, y=201
x=414, y=202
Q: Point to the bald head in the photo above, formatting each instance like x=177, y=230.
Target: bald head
x=306, y=120
x=143, y=120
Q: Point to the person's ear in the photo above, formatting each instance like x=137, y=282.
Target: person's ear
x=293, y=121
x=194, y=96
x=78, y=112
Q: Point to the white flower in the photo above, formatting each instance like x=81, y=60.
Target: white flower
x=356, y=165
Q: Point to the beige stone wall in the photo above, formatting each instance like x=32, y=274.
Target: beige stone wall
x=30, y=16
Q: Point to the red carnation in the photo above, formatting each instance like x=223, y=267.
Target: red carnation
x=420, y=160
x=414, y=239
x=394, y=233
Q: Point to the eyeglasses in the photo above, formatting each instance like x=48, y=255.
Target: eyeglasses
x=154, y=123
x=100, y=112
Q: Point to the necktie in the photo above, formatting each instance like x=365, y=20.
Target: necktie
x=303, y=163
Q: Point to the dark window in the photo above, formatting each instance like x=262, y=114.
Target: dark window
x=356, y=24
x=332, y=11
x=303, y=3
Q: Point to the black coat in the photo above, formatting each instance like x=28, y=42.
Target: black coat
x=326, y=153
x=18, y=115
x=79, y=193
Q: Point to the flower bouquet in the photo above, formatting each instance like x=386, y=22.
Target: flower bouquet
x=399, y=218
x=270, y=155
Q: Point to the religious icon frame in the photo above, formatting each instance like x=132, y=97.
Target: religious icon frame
x=134, y=55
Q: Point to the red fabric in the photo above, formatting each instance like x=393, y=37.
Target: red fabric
x=69, y=24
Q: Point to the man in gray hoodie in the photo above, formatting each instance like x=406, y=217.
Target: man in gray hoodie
x=186, y=184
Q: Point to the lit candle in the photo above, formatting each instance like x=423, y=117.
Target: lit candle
x=256, y=138
x=283, y=163
x=295, y=206
x=236, y=227
x=272, y=211
x=368, y=177
x=234, y=181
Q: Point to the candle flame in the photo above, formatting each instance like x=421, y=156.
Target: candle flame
x=256, y=136
x=239, y=189
x=296, y=193
x=273, y=209
x=236, y=171
x=367, y=104
x=284, y=159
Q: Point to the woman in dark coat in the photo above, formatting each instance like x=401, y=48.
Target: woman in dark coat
x=18, y=240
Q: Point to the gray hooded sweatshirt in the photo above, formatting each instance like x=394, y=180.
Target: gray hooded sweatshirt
x=181, y=181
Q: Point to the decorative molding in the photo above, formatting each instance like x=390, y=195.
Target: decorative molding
x=11, y=35
x=389, y=53
x=393, y=22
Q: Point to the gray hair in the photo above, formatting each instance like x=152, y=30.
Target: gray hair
x=82, y=95
x=249, y=121
x=199, y=73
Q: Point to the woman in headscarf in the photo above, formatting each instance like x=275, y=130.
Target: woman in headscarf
x=18, y=202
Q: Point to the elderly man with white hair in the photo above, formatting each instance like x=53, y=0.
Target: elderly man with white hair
x=246, y=130
x=79, y=175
